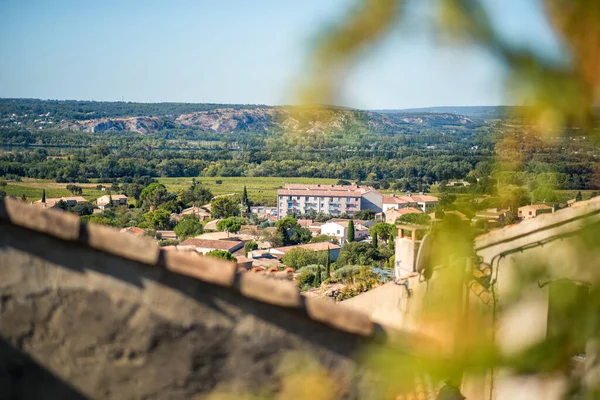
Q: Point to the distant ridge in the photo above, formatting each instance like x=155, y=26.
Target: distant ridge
x=478, y=112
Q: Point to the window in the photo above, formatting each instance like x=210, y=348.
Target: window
x=306, y=198
x=529, y=212
x=297, y=197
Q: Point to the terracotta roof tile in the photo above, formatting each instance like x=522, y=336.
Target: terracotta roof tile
x=228, y=245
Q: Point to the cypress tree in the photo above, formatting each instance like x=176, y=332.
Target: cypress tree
x=317, y=281
x=245, y=199
x=43, y=195
x=374, y=242
x=328, y=264
x=350, y=235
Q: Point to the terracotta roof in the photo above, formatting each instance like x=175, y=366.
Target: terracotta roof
x=536, y=207
x=211, y=244
x=305, y=223
x=405, y=210
x=421, y=198
x=195, y=210
x=134, y=230
x=233, y=237
x=387, y=199
x=114, y=196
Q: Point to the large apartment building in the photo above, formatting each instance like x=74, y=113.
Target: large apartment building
x=327, y=199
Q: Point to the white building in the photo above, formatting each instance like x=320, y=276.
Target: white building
x=117, y=200
x=423, y=202
x=263, y=211
x=338, y=228
x=327, y=199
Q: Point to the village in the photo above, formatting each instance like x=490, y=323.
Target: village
x=334, y=241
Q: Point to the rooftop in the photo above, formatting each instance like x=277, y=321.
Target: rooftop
x=406, y=210
x=134, y=230
x=537, y=207
x=421, y=198
x=228, y=245
x=51, y=202
x=114, y=196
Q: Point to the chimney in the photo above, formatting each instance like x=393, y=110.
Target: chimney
x=393, y=195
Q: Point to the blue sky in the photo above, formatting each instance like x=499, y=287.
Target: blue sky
x=236, y=51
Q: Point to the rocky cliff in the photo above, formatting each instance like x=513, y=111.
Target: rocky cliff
x=308, y=119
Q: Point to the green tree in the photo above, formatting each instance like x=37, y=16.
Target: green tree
x=83, y=208
x=328, y=263
x=446, y=200
x=159, y=219
x=229, y=225
x=245, y=200
x=62, y=205
x=196, y=195
x=292, y=232
x=317, y=281
x=224, y=207
x=154, y=195
x=382, y=231
x=358, y=253
x=222, y=254
x=365, y=215
x=350, y=233
x=578, y=196
x=188, y=227
x=374, y=241
x=299, y=257
x=323, y=238
x=43, y=195
x=544, y=194
x=249, y=247
x=75, y=190
x=414, y=218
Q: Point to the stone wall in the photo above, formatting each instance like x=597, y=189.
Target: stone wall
x=87, y=312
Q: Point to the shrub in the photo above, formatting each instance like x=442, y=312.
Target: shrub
x=346, y=272
x=222, y=254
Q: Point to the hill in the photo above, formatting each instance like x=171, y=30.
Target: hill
x=475, y=112
x=93, y=117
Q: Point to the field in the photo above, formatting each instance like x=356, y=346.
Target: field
x=261, y=190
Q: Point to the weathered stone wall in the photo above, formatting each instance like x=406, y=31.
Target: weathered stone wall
x=86, y=312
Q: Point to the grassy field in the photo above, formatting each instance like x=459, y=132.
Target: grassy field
x=261, y=190
x=32, y=189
